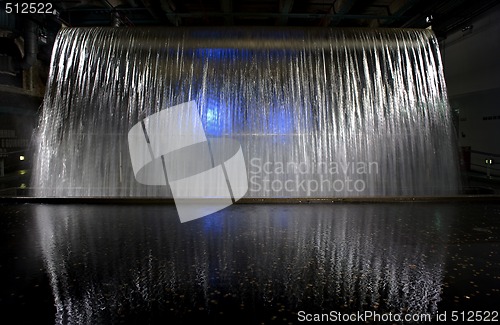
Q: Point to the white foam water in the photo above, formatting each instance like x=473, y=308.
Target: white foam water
x=318, y=113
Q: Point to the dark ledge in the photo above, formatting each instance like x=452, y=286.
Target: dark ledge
x=127, y=200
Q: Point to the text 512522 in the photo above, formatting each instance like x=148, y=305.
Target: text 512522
x=28, y=8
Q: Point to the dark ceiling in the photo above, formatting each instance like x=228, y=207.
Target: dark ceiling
x=443, y=15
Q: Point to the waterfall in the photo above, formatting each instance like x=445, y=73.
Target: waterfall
x=317, y=112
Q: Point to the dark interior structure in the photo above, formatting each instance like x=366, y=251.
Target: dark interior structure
x=108, y=114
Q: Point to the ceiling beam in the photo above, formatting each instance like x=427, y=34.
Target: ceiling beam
x=338, y=9
x=169, y=7
x=285, y=8
x=397, y=9
x=227, y=9
x=116, y=18
x=161, y=12
x=212, y=14
x=201, y=14
x=152, y=12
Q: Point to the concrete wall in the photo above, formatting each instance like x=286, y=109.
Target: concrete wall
x=472, y=71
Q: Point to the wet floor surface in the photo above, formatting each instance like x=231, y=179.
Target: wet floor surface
x=250, y=264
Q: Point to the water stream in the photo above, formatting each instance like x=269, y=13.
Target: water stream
x=250, y=263
x=318, y=113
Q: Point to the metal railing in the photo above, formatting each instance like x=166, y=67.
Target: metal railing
x=489, y=162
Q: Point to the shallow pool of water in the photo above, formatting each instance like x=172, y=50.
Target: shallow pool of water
x=250, y=263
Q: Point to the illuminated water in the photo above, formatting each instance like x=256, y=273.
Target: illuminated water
x=247, y=264
x=317, y=112
x=251, y=262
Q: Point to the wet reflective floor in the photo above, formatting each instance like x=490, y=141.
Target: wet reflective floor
x=250, y=263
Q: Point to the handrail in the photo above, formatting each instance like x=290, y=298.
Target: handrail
x=485, y=166
x=485, y=153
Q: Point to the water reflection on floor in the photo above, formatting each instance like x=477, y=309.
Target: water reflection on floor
x=259, y=263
